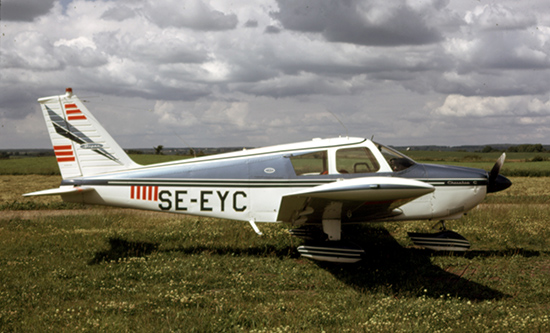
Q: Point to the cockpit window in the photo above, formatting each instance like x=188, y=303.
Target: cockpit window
x=310, y=163
x=356, y=160
x=395, y=159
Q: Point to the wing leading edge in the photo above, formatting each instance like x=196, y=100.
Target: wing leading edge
x=358, y=199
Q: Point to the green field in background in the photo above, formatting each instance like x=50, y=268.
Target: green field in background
x=517, y=164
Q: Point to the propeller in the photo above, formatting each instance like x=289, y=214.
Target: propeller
x=496, y=181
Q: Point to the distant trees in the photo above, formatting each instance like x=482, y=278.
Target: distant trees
x=535, y=148
x=134, y=151
x=488, y=149
x=525, y=148
x=158, y=149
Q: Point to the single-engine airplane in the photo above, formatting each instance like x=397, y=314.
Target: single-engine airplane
x=315, y=186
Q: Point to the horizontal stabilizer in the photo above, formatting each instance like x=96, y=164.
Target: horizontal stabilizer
x=60, y=190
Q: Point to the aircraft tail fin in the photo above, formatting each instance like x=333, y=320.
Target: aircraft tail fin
x=81, y=145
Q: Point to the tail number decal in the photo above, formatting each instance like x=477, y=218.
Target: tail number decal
x=207, y=201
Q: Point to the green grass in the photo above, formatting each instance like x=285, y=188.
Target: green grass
x=516, y=165
x=102, y=269
x=113, y=271
x=29, y=165
x=458, y=156
x=48, y=165
x=151, y=159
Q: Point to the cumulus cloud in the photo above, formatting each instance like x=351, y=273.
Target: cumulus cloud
x=379, y=23
x=475, y=106
x=497, y=17
x=302, y=84
x=119, y=13
x=25, y=10
x=251, y=24
x=194, y=14
x=240, y=72
x=170, y=114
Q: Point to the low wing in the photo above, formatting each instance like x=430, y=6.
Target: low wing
x=352, y=200
x=60, y=190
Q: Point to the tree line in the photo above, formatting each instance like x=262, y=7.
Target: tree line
x=525, y=148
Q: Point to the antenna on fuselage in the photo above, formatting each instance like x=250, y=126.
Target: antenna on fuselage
x=185, y=142
x=341, y=123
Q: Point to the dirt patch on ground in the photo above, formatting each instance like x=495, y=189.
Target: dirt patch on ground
x=32, y=214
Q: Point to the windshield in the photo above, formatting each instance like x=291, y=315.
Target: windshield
x=395, y=159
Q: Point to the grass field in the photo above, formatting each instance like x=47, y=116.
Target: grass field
x=107, y=269
x=517, y=164
x=48, y=165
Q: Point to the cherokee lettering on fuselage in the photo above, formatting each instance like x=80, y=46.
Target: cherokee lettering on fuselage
x=180, y=200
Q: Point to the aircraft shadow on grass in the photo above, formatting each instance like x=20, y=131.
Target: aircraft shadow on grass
x=386, y=264
x=120, y=248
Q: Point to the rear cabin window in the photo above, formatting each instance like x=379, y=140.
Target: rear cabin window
x=310, y=163
x=356, y=160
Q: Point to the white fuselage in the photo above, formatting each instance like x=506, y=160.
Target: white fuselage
x=262, y=204
x=256, y=194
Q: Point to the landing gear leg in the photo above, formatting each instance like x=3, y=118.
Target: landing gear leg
x=329, y=246
x=441, y=224
x=333, y=228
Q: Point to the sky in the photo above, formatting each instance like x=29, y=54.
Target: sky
x=238, y=73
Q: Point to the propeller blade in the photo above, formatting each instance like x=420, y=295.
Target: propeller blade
x=497, y=182
x=493, y=174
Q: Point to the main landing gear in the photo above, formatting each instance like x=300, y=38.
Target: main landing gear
x=326, y=245
x=444, y=240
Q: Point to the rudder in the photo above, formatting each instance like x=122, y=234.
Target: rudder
x=81, y=145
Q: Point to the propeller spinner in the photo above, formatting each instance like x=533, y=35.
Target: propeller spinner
x=497, y=182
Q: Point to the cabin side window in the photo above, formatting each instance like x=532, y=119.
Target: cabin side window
x=310, y=163
x=356, y=160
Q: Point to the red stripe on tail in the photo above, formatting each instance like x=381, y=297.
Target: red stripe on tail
x=82, y=117
x=64, y=153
